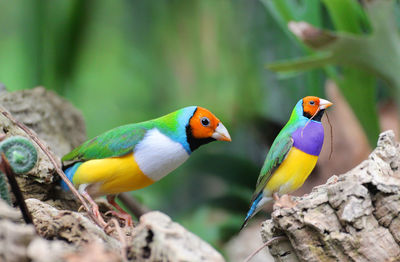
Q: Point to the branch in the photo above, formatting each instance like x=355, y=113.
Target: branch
x=7, y=170
x=268, y=243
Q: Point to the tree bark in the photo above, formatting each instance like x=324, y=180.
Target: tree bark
x=353, y=217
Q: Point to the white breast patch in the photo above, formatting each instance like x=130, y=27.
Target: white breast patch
x=157, y=155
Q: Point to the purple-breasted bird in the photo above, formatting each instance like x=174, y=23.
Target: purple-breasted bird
x=293, y=154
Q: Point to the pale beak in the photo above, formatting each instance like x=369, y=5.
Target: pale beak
x=324, y=104
x=221, y=133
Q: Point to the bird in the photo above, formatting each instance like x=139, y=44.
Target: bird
x=134, y=156
x=292, y=156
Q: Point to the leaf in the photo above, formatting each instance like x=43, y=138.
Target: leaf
x=358, y=53
x=302, y=64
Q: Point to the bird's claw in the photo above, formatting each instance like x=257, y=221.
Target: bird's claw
x=81, y=208
x=123, y=216
x=285, y=201
x=101, y=221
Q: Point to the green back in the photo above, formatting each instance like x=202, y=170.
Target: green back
x=123, y=140
x=116, y=142
x=279, y=150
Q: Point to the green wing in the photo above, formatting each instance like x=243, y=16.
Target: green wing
x=116, y=142
x=277, y=153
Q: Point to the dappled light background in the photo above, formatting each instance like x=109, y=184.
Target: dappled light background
x=128, y=61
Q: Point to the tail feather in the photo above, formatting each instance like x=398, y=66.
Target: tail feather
x=69, y=172
x=253, y=209
x=244, y=224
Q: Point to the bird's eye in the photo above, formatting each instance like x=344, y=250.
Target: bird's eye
x=205, y=121
x=311, y=102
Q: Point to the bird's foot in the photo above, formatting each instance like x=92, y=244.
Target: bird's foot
x=81, y=208
x=119, y=212
x=333, y=180
x=275, y=196
x=284, y=201
x=95, y=212
x=127, y=218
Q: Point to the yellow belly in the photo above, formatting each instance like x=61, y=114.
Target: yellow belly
x=112, y=175
x=292, y=173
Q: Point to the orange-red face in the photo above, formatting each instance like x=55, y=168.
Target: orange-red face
x=312, y=105
x=206, y=125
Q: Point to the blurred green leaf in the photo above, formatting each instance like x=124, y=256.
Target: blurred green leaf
x=302, y=64
x=356, y=52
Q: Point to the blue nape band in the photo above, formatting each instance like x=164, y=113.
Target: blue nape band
x=69, y=172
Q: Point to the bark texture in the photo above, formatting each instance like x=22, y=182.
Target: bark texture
x=158, y=238
x=19, y=242
x=55, y=120
x=353, y=217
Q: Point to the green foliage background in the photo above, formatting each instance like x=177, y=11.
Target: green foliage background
x=128, y=61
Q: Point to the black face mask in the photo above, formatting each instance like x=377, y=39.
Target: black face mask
x=317, y=117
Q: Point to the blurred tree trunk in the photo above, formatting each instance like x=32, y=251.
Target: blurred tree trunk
x=353, y=217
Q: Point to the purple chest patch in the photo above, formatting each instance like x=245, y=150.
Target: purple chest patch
x=310, y=139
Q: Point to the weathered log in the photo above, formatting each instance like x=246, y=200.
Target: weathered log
x=158, y=238
x=353, y=217
x=155, y=238
x=19, y=242
x=56, y=121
